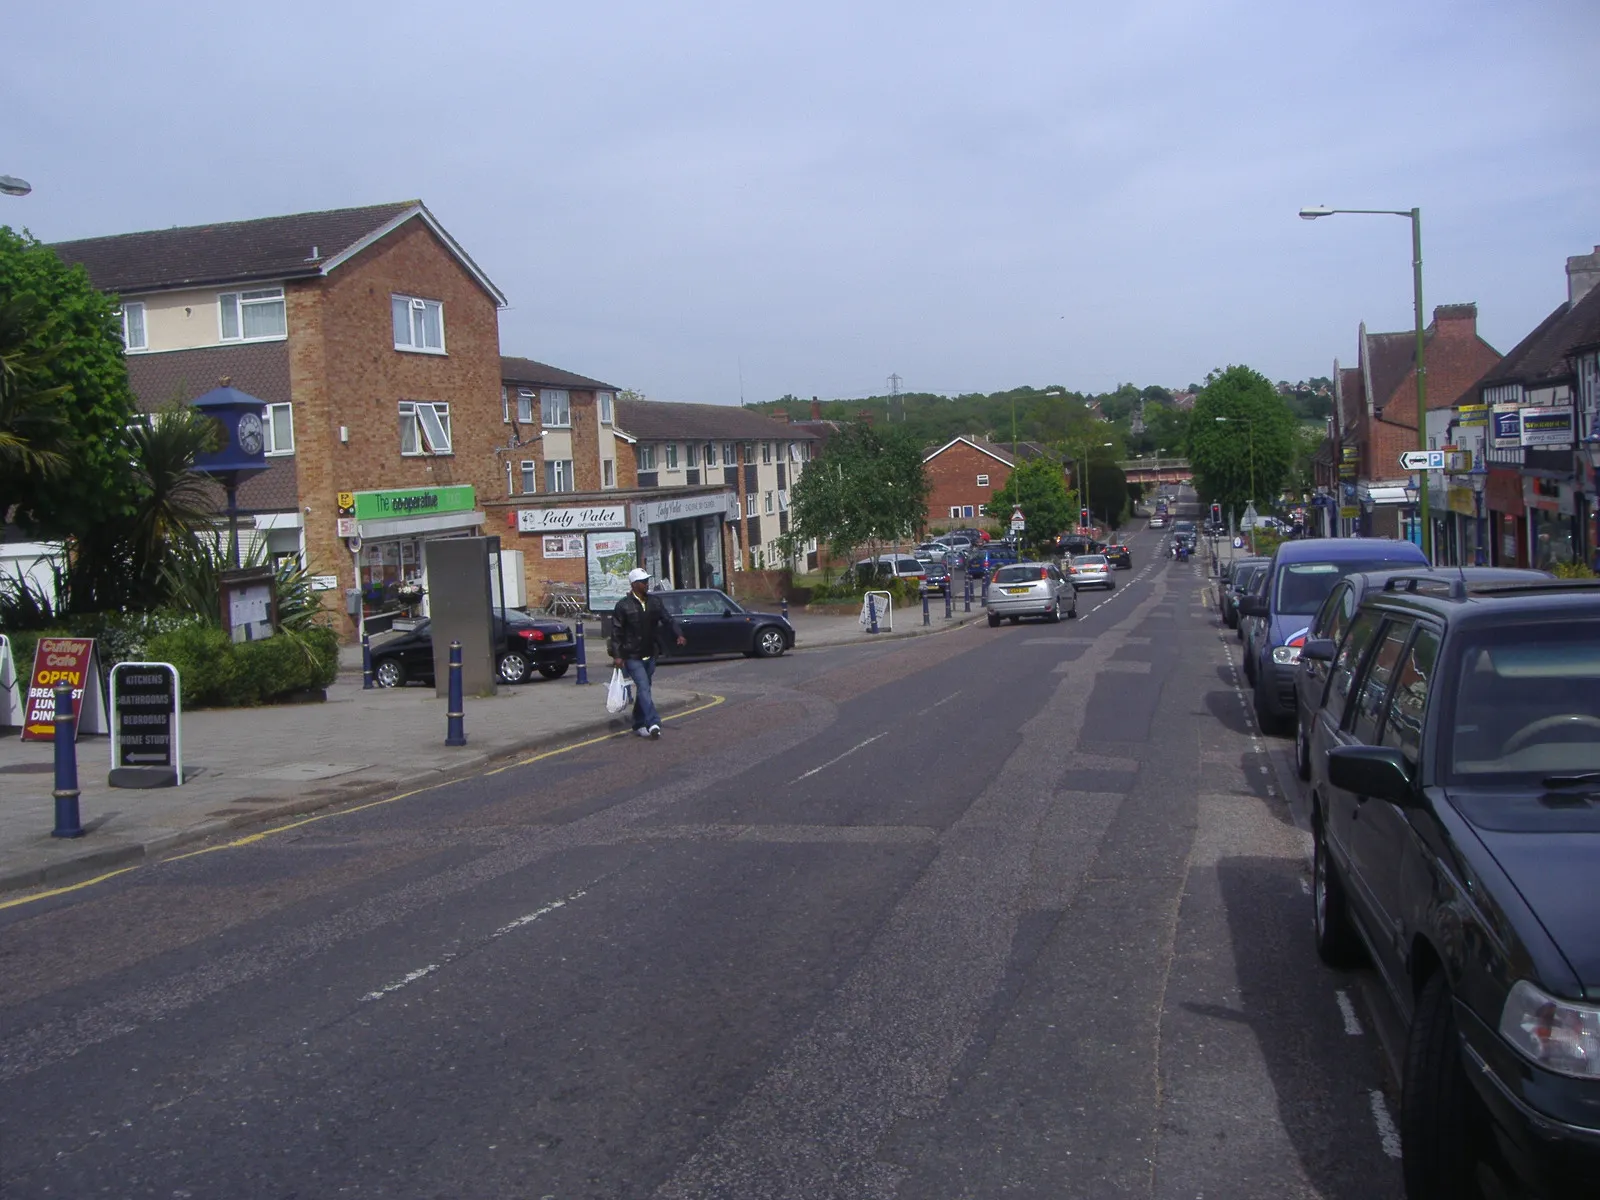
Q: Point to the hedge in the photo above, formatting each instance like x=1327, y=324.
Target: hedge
x=219, y=673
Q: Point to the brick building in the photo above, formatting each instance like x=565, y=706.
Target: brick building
x=963, y=474
x=372, y=338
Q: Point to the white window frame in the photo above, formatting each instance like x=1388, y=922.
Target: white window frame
x=237, y=302
x=559, y=475
x=783, y=500
x=647, y=457
x=269, y=430
x=983, y=481
x=525, y=399
x=505, y=409
x=794, y=452
x=672, y=456
x=711, y=454
x=608, y=472
x=730, y=455
x=604, y=401
x=128, y=309
x=955, y=511
x=749, y=504
x=966, y=510
x=414, y=306
x=766, y=503
x=555, y=408
x=528, y=470
x=766, y=453
x=691, y=456
x=428, y=424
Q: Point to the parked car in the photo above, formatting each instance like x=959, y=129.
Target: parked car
x=1455, y=811
x=1119, y=554
x=871, y=572
x=931, y=551
x=939, y=571
x=713, y=622
x=523, y=645
x=1090, y=570
x=1339, y=610
x=982, y=562
x=1252, y=625
x=1159, y=521
x=1301, y=576
x=1238, y=579
x=1029, y=589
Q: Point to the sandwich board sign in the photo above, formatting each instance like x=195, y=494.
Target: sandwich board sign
x=63, y=660
x=146, y=740
x=10, y=689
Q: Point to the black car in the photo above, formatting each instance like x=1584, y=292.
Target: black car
x=1074, y=544
x=1246, y=573
x=1455, y=810
x=714, y=623
x=1119, y=554
x=523, y=644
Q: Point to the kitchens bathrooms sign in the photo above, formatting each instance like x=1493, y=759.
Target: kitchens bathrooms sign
x=563, y=520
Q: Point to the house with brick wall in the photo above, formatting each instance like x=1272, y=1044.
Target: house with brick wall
x=964, y=473
x=372, y=339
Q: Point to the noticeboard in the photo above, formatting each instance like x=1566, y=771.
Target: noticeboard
x=610, y=556
x=249, y=603
x=63, y=660
x=146, y=713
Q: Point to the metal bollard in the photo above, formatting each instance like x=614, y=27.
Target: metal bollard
x=455, y=718
x=583, y=658
x=366, y=662
x=949, y=601
x=986, y=589
x=68, y=822
x=966, y=598
x=872, y=612
x=925, y=606
x=783, y=606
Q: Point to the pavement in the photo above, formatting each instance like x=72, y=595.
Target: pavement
x=244, y=767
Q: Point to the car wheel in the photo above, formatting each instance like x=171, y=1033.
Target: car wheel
x=1072, y=613
x=388, y=672
x=769, y=642
x=1054, y=615
x=1440, y=1123
x=994, y=620
x=1302, y=749
x=1330, y=915
x=1014, y=620
x=553, y=670
x=513, y=666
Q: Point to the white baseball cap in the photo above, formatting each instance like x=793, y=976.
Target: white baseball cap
x=638, y=573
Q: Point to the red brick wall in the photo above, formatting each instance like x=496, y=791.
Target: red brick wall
x=953, y=479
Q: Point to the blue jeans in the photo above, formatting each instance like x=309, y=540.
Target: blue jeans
x=641, y=671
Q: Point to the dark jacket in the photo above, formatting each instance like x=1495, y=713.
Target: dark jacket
x=640, y=630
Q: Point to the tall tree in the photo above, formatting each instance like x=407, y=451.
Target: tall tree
x=1039, y=487
x=1241, y=439
x=868, y=485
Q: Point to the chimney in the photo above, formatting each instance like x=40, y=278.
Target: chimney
x=1462, y=318
x=1583, y=272
x=781, y=415
x=816, y=409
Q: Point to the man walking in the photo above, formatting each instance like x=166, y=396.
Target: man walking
x=640, y=625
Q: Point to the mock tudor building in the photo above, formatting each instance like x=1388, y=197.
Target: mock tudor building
x=373, y=339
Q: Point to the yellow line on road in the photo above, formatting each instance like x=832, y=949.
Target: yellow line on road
x=251, y=839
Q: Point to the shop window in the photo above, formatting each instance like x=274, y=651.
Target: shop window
x=983, y=481
x=424, y=427
x=766, y=452
x=133, y=327
x=558, y=476
x=530, y=477
x=647, y=458
x=608, y=472
x=672, y=456
x=555, y=408
x=605, y=400
x=418, y=324
x=279, y=429
x=252, y=316
x=691, y=455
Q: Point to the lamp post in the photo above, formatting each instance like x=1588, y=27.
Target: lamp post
x=1479, y=477
x=1311, y=213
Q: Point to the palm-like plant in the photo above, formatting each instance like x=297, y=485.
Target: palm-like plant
x=33, y=433
x=173, y=500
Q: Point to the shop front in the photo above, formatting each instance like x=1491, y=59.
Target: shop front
x=386, y=532
x=682, y=538
x=577, y=556
x=1552, y=529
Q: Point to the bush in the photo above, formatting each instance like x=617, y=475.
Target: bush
x=119, y=637
x=217, y=673
x=1572, y=570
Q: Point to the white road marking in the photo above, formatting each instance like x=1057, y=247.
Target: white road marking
x=845, y=755
x=536, y=914
x=402, y=982
x=1347, y=1010
x=931, y=707
x=1388, y=1135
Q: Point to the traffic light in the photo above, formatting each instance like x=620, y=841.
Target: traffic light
x=1216, y=514
x=1083, y=518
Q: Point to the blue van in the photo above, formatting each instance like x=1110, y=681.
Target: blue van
x=1302, y=574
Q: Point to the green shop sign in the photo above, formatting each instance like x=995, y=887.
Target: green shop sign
x=414, y=502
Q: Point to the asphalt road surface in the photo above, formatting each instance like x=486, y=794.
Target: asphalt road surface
x=1007, y=912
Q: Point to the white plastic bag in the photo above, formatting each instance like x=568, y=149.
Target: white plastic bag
x=619, y=692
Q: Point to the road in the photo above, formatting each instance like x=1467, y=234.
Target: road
x=997, y=912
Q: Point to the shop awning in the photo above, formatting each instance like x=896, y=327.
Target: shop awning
x=389, y=527
x=1383, y=493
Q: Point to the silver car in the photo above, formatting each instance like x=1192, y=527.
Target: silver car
x=1029, y=589
x=1090, y=570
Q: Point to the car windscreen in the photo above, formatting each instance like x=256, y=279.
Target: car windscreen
x=1021, y=574
x=1303, y=586
x=908, y=566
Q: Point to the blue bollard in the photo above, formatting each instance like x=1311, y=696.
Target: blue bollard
x=985, y=589
x=967, y=595
x=872, y=612
x=783, y=606
x=925, y=606
x=455, y=718
x=366, y=662
x=949, y=601
x=68, y=822
x=583, y=658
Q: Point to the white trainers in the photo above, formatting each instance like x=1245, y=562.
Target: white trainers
x=642, y=731
x=655, y=731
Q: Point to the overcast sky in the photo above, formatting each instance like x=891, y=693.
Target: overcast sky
x=972, y=196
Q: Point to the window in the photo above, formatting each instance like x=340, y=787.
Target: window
x=1366, y=714
x=604, y=399
x=555, y=408
x=983, y=481
x=525, y=406
x=251, y=316
x=749, y=453
x=424, y=427
x=750, y=504
x=1403, y=730
x=766, y=452
x=511, y=489
x=558, y=476
x=133, y=327
x=766, y=504
x=1362, y=630
x=783, y=500
x=955, y=510
x=505, y=410
x=711, y=454
x=418, y=324
x=530, y=477
x=966, y=510
x=983, y=510
x=672, y=456
x=647, y=458
x=691, y=455
x=279, y=429
x=730, y=456
x=608, y=472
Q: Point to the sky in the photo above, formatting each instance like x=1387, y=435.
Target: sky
x=723, y=201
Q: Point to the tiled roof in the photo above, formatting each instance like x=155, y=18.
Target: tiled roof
x=663, y=420
x=1390, y=357
x=229, y=252
x=527, y=371
x=1025, y=450
x=1542, y=355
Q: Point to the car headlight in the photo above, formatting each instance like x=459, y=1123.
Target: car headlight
x=1556, y=1034
x=1286, y=656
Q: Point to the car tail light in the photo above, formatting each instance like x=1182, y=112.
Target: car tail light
x=533, y=635
x=1043, y=573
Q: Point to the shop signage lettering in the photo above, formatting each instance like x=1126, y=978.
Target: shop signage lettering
x=1505, y=427
x=1473, y=416
x=144, y=703
x=1547, y=426
x=57, y=661
x=414, y=502
x=654, y=512
x=558, y=520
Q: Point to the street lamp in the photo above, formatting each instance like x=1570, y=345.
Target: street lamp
x=12, y=186
x=1311, y=213
x=1479, y=477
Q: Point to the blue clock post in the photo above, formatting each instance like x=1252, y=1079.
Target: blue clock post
x=241, y=447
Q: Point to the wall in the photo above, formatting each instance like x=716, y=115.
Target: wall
x=188, y=320
x=953, y=479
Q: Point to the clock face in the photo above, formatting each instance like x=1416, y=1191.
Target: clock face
x=250, y=439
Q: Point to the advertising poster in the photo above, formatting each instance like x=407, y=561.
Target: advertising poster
x=610, y=557
x=1505, y=427
x=1547, y=426
x=563, y=545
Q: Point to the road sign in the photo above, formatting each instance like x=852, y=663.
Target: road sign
x=1422, y=460
x=1018, y=521
x=1250, y=518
